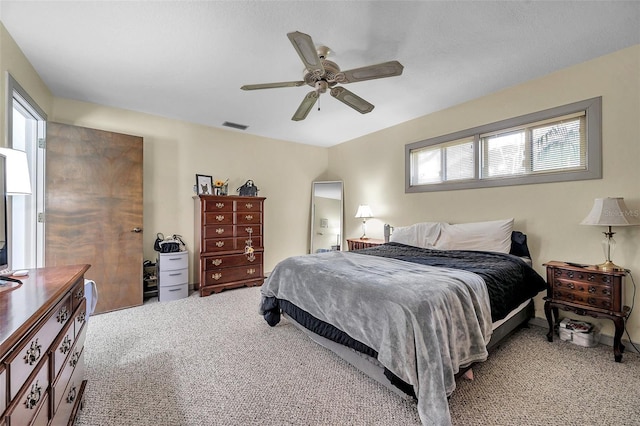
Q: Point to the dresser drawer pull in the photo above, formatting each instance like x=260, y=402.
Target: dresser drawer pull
x=592, y=289
x=66, y=345
x=220, y=231
x=175, y=274
x=571, y=286
x=219, y=243
x=74, y=359
x=63, y=315
x=591, y=278
x=606, y=291
x=80, y=293
x=33, y=353
x=216, y=262
x=72, y=394
x=220, y=217
x=249, y=205
x=175, y=258
x=248, y=230
x=570, y=274
x=251, y=271
x=34, y=396
x=248, y=217
x=606, y=279
x=81, y=317
x=216, y=276
x=175, y=289
x=219, y=205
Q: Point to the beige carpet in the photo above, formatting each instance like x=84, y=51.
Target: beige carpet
x=214, y=361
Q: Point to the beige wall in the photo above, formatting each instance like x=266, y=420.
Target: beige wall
x=13, y=61
x=372, y=168
x=174, y=151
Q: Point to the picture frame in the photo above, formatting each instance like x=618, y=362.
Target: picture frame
x=204, y=184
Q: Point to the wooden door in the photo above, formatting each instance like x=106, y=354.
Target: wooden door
x=93, y=209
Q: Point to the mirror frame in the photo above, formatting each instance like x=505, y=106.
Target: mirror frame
x=313, y=212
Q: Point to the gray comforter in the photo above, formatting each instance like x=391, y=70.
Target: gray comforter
x=425, y=322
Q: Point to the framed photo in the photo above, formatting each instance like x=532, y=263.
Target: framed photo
x=204, y=184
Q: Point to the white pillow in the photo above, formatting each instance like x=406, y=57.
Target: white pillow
x=483, y=236
x=424, y=234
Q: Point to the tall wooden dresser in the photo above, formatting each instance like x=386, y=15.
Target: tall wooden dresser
x=43, y=324
x=229, y=240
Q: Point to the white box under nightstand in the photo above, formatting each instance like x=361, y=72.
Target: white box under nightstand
x=173, y=276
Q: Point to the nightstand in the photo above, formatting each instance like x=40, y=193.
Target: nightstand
x=586, y=290
x=358, y=243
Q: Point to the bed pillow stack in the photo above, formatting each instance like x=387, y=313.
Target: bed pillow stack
x=492, y=235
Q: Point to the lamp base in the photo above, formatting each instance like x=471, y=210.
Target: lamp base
x=609, y=266
x=364, y=237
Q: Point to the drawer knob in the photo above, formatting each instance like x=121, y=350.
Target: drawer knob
x=570, y=274
x=74, y=359
x=216, y=262
x=248, y=217
x=251, y=271
x=219, y=243
x=220, y=231
x=34, y=396
x=606, y=291
x=606, y=279
x=66, y=345
x=216, y=276
x=249, y=205
x=249, y=230
x=592, y=289
x=63, y=315
x=220, y=217
x=571, y=286
x=33, y=353
x=80, y=293
x=219, y=205
x=72, y=394
x=81, y=317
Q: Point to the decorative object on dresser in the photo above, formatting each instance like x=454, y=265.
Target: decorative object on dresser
x=586, y=290
x=249, y=189
x=173, y=276
x=359, y=243
x=610, y=212
x=229, y=241
x=44, y=324
x=364, y=212
x=204, y=184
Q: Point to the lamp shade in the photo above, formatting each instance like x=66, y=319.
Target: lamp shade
x=17, y=170
x=610, y=211
x=364, y=212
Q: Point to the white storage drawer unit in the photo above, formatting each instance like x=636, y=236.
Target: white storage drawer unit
x=173, y=276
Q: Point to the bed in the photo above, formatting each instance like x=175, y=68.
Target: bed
x=414, y=312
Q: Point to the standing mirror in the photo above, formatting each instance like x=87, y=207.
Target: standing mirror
x=326, y=216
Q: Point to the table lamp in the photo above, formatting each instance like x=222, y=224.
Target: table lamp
x=610, y=212
x=364, y=213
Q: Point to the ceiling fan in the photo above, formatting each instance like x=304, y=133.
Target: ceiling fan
x=322, y=75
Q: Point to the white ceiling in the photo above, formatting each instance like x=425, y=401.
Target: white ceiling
x=188, y=59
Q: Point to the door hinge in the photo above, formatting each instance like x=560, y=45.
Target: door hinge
x=42, y=143
x=40, y=217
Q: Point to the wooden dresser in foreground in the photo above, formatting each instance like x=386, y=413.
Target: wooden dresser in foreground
x=43, y=324
x=586, y=290
x=225, y=226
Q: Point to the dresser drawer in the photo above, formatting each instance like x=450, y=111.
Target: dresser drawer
x=69, y=365
x=31, y=398
x=219, y=244
x=171, y=278
x=217, y=205
x=218, y=218
x=24, y=360
x=174, y=292
x=248, y=206
x=212, y=263
x=239, y=273
x=71, y=394
x=217, y=231
x=69, y=339
x=173, y=261
x=244, y=218
x=256, y=242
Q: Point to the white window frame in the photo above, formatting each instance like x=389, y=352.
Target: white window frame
x=593, y=112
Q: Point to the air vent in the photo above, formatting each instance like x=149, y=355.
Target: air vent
x=235, y=125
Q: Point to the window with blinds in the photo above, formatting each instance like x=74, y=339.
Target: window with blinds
x=559, y=144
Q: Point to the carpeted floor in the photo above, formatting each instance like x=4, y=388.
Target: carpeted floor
x=214, y=361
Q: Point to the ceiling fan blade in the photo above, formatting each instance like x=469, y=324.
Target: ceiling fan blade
x=307, y=51
x=272, y=85
x=385, y=69
x=307, y=103
x=352, y=100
